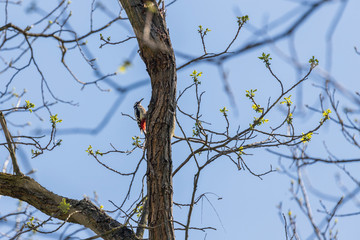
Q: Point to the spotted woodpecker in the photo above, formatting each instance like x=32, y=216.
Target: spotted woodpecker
x=140, y=114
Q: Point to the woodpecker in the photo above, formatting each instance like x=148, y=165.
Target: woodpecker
x=140, y=114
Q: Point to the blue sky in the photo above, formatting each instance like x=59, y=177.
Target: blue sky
x=247, y=208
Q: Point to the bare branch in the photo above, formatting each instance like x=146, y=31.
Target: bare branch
x=82, y=212
x=10, y=145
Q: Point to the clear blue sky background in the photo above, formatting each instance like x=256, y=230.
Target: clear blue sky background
x=248, y=205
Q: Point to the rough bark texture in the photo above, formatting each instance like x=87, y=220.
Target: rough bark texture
x=156, y=51
x=82, y=212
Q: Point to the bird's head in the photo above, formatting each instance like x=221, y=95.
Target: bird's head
x=138, y=102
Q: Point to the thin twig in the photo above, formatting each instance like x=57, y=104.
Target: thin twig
x=10, y=145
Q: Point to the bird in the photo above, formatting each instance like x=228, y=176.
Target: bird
x=140, y=115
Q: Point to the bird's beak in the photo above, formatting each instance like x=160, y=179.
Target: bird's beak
x=140, y=100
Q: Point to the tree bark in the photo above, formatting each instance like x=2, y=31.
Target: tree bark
x=156, y=51
x=81, y=212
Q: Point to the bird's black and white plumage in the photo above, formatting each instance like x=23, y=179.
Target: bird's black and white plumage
x=140, y=115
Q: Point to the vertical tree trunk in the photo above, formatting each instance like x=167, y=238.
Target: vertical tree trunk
x=156, y=51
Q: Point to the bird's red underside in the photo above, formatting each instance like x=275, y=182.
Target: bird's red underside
x=143, y=125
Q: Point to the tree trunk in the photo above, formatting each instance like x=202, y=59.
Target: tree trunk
x=156, y=51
